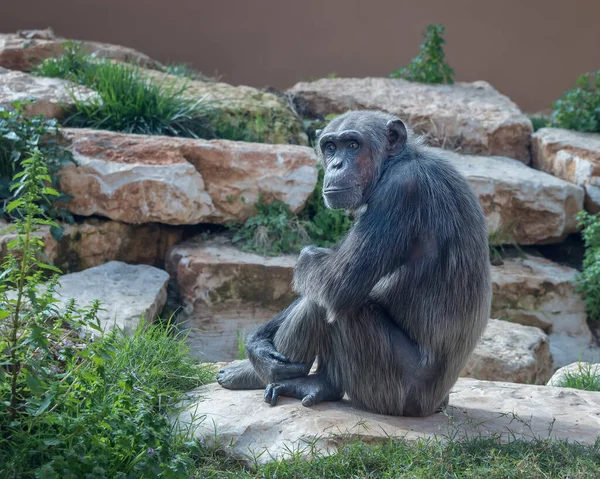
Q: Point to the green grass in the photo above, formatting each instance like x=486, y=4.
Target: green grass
x=587, y=377
x=426, y=459
x=128, y=101
x=113, y=418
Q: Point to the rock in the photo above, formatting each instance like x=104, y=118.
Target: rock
x=578, y=369
x=243, y=112
x=253, y=430
x=226, y=293
x=572, y=156
x=145, y=179
x=95, y=241
x=471, y=116
x=128, y=293
x=534, y=291
x=521, y=204
x=51, y=97
x=25, y=50
x=511, y=352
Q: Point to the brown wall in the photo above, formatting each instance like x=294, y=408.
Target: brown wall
x=531, y=50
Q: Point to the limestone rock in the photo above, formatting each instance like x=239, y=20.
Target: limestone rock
x=472, y=116
x=25, y=50
x=521, y=204
x=51, y=96
x=511, y=352
x=572, y=156
x=577, y=368
x=143, y=179
x=94, y=241
x=534, y=291
x=251, y=114
x=226, y=293
x=126, y=292
x=251, y=428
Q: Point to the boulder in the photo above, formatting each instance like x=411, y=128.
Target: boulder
x=242, y=112
x=249, y=429
x=51, y=97
x=534, y=291
x=521, y=204
x=587, y=370
x=146, y=179
x=25, y=50
x=127, y=293
x=226, y=293
x=471, y=116
x=95, y=241
x=572, y=156
x=511, y=352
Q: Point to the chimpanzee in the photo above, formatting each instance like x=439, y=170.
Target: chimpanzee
x=393, y=311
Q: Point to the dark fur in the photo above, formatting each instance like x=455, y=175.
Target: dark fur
x=393, y=312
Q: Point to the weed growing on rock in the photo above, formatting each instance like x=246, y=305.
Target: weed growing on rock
x=539, y=121
x=588, y=281
x=19, y=135
x=586, y=377
x=579, y=108
x=430, y=65
x=276, y=230
x=128, y=101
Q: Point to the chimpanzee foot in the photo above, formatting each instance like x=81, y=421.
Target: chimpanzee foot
x=240, y=375
x=310, y=389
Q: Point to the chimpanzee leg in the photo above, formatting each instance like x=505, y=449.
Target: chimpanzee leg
x=283, y=348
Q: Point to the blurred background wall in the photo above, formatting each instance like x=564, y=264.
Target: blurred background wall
x=531, y=50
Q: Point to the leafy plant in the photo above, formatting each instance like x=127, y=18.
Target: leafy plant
x=20, y=134
x=588, y=281
x=128, y=101
x=539, y=121
x=579, y=108
x=186, y=71
x=430, y=65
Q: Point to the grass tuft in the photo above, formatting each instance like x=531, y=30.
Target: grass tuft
x=587, y=378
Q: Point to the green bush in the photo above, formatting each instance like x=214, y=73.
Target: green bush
x=19, y=135
x=71, y=407
x=579, y=108
x=276, y=230
x=128, y=101
x=588, y=281
x=430, y=65
x=586, y=378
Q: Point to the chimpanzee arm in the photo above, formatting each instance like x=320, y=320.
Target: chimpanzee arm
x=382, y=240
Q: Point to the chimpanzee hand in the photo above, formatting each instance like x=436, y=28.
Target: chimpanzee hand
x=272, y=365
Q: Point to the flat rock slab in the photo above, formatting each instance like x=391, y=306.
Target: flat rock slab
x=144, y=179
x=51, y=97
x=226, y=293
x=511, y=352
x=472, y=116
x=252, y=429
x=25, y=50
x=521, y=204
x=534, y=291
x=573, y=156
x=128, y=293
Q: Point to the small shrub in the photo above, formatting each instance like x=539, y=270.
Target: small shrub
x=430, y=65
x=587, y=378
x=588, y=281
x=18, y=136
x=128, y=102
x=186, y=71
x=579, y=108
x=540, y=121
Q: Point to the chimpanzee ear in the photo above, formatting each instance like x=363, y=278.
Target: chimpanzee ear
x=318, y=133
x=396, y=135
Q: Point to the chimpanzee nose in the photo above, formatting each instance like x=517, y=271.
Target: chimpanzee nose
x=336, y=164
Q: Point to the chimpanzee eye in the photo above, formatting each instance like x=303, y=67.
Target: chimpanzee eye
x=353, y=145
x=329, y=147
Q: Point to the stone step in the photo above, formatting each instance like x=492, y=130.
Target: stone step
x=253, y=430
x=144, y=179
x=474, y=117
